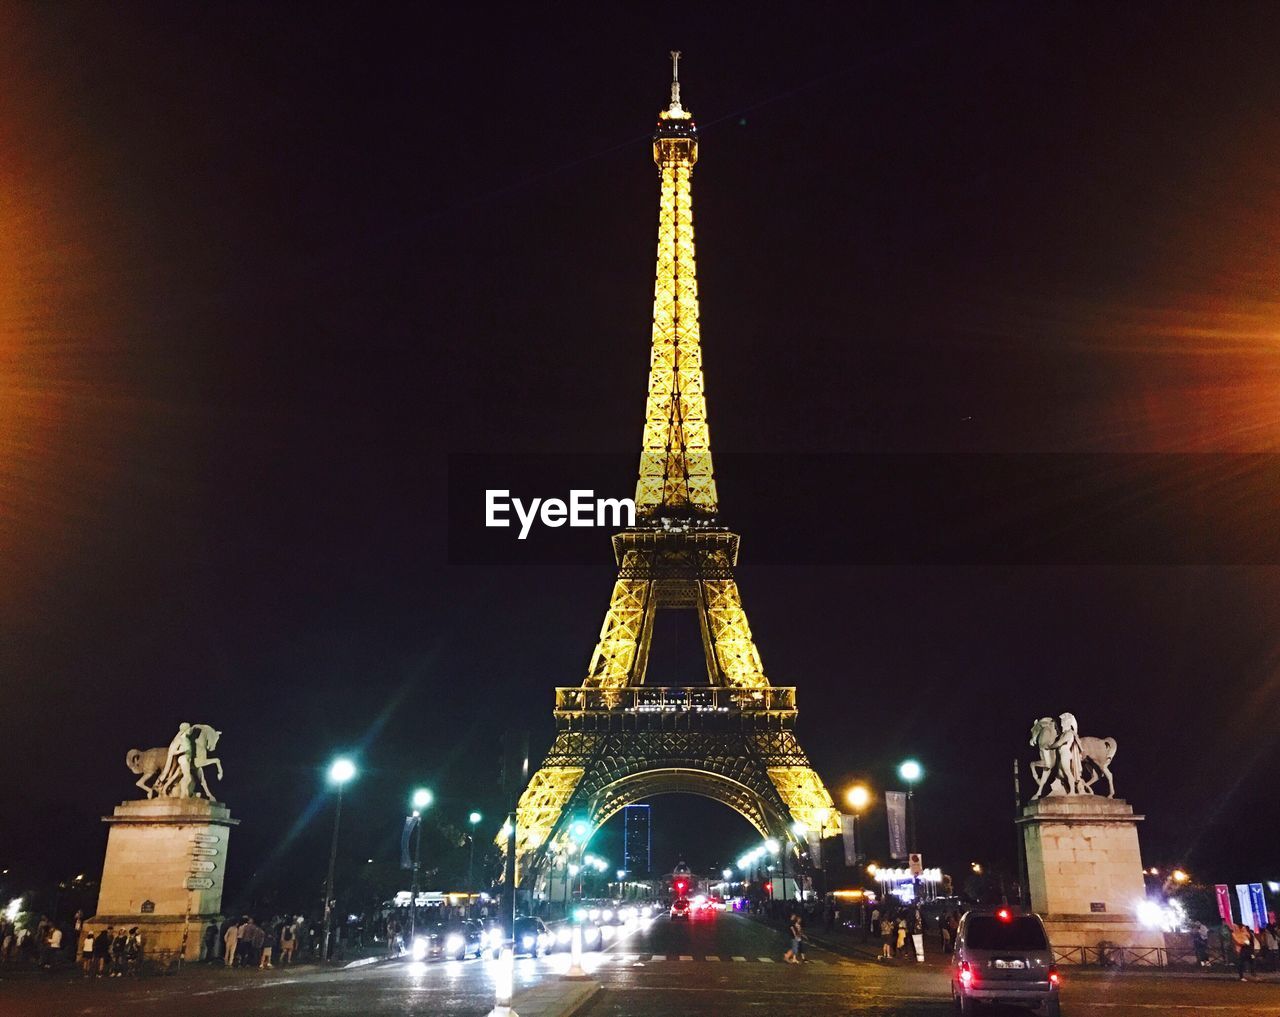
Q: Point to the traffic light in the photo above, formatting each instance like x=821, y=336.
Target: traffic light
x=682, y=887
x=768, y=887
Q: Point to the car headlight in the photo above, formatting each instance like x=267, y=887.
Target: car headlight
x=564, y=936
x=454, y=943
x=607, y=914
x=594, y=914
x=419, y=948
x=527, y=942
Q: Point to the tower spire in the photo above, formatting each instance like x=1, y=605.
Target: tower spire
x=676, y=477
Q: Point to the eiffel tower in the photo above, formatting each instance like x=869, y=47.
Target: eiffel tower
x=619, y=740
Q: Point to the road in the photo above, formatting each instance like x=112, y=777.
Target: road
x=721, y=966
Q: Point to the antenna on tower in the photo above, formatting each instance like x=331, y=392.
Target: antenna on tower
x=675, y=77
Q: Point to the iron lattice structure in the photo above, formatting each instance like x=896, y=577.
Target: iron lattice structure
x=618, y=740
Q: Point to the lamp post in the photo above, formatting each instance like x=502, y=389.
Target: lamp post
x=341, y=771
x=473, y=819
x=773, y=848
x=422, y=799
x=911, y=771
x=857, y=797
x=801, y=832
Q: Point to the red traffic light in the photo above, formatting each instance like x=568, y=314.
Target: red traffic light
x=768, y=887
x=1004, y=914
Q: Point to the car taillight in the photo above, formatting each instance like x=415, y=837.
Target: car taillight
x=1055, y=979
x=966, y=974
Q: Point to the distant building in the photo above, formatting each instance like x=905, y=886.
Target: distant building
x=636, y=841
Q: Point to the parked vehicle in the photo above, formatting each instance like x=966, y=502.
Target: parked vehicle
x=1003, y=955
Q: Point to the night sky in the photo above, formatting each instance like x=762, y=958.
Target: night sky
x=264, y=270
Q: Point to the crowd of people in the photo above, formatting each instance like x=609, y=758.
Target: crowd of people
x=242, y=942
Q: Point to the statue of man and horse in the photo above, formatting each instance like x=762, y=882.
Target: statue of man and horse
x=1066, y=758
x=177, y=770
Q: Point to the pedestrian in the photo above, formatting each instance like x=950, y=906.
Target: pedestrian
x=232, y=940
x=102, y=952
x=209, y=943
x=6, y=941
x=287, y=943
x=917, y=932
x=53, y=953
x=119, y=953
x=133, y=953
x=1243, y=939
x=264, y=942
x=887, y=929
x=86, y=955
x=795, y=930
x=1200, y=940
x=901, y=929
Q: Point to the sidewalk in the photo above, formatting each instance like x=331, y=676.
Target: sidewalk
x=554, y=997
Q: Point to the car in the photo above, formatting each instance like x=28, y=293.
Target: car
x=680, y=909
x=532, y=937
x=449, y=940
x=1002, y=955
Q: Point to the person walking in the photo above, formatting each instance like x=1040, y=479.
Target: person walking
x=287, y=943
x=1242, y=938
x=795, y=929
x=901, y=929
x=232, y=940
x=1200, y=940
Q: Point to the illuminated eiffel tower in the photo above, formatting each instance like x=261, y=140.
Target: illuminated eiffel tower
x=618, y=740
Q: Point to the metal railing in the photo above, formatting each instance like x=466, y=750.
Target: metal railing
x=660, y=699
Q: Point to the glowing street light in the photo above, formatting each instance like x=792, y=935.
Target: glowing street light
x=1180, y=876
x=872, y=869
x=341, y=771
x=422, y=798
x=772, y=846
x=910, y=771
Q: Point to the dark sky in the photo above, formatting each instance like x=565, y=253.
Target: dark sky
x=263, y=270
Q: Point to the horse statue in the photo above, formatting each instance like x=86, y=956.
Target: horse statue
x=173, y=771
x=1065, y=755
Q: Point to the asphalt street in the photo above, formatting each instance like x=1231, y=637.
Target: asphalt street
x=723, y=965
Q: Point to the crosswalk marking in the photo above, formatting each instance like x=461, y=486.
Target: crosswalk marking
x=766, y=960
x=711, y=957
x=685, y=957
x=739, y=958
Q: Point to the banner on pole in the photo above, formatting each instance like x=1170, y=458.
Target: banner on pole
x=895, y=803
x=1223, y=893
x=815, y=848
x=1246, y=904
x=410, y=823
x=849, y=834
x=1259, y=903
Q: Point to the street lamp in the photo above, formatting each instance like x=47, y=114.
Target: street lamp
x=340, y=771
x=422, y=799
x=911, y=771
x=857, y=796
x=473, y=819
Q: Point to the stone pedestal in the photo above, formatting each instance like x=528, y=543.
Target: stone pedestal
x=1084, y=869
x=166, y=860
